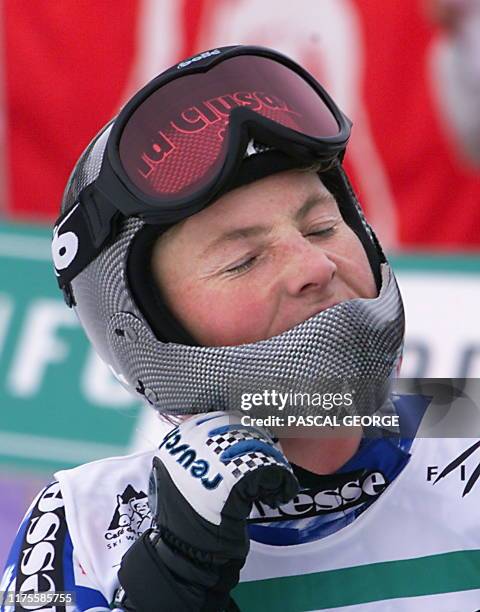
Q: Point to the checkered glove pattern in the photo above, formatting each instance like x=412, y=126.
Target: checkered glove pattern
x=229, y=436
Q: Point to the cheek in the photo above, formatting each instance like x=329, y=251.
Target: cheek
x=224, y=316
x=354, y=267
x=364, y=275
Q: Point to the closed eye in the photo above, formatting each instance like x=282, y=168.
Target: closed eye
x=324, y=232
x=242, y=267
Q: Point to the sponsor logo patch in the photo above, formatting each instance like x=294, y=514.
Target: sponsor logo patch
x=40, y=566
x=186, y=456
x=469, y=477
x=131, y=517
x=333, y=494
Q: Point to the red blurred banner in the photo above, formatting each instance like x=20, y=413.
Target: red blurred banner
x=68, y=66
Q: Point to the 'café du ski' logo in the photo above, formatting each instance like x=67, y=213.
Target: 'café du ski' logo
x=130, y=518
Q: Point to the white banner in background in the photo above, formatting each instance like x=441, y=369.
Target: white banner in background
x=443, y=331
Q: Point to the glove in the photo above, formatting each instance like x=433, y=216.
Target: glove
x=206, y=475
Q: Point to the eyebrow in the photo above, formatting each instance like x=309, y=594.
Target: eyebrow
x=252, y=231
x=311, y=202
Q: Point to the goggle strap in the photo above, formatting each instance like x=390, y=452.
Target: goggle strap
x=81, y=233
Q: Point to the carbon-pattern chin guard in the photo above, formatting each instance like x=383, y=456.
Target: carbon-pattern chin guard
x=355, y=345
x=352, y=346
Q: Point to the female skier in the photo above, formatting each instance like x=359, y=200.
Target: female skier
x=213, y=249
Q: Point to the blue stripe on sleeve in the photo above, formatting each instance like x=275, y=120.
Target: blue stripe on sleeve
x=10, y=571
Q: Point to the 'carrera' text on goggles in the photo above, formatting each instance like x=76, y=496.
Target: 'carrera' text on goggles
x=197, y=118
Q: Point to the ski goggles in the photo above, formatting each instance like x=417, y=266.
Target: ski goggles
x=179, y=142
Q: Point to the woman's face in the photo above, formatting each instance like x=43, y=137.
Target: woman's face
x=260, y=260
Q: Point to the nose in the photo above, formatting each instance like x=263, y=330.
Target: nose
x=308, y=268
